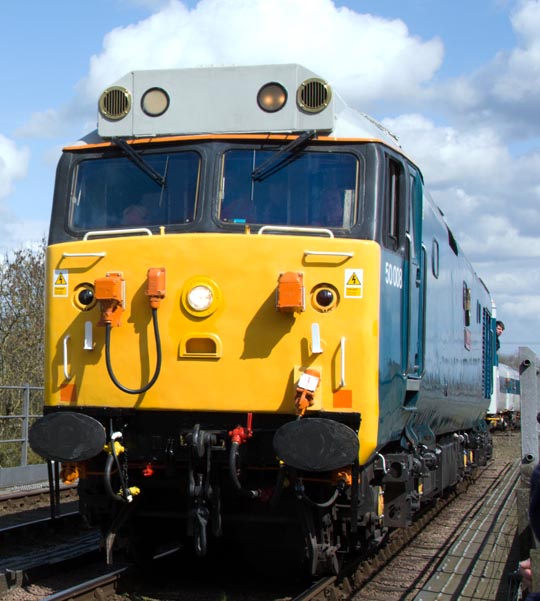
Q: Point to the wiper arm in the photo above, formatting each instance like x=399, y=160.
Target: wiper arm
x=139, y=161
x=278, y=158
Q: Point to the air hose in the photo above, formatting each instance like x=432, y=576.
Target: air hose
x=112, y=459
x=252, y=494
x=107, y=479
x=158, y=358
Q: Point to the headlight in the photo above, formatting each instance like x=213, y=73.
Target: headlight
x=155, y=102
x=272, y=97
x=324, y=298
x=200, y=298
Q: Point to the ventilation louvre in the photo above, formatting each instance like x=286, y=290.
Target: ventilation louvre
x=314, y=95
x=115, y=103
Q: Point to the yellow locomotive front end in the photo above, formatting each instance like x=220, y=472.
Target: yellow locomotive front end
x=241, y=318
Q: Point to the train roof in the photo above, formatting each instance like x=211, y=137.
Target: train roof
x=286, y=99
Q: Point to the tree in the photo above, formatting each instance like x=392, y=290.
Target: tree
x=22, y=292
x=22, y=285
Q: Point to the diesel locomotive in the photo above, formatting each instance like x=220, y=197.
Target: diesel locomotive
x=259, y=325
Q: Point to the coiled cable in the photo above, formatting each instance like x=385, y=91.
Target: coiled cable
x=158, y=358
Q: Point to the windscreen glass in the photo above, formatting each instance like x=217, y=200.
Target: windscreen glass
x=309, y=189
x=111, y=193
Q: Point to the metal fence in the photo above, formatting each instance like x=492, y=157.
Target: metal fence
x=529, y=379
x=19, y=407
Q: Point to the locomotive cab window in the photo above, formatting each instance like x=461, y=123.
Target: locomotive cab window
x=111, y=193
x=466, y=304
x=394, y=206
x=311, y=189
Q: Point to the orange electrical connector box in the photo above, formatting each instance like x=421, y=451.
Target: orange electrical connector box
x=290, y=292
x=109, y=292
x=155, y=286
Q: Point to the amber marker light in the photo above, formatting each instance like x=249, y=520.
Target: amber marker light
x=272, y=97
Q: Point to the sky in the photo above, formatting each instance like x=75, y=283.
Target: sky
x=458, y=83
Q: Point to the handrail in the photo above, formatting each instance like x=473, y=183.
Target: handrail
x=96, y=254
x=291, y=228
x=131, y=230
x=328, y=253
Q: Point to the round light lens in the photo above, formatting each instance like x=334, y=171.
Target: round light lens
x=272, y=97
x=155, y=102
x=325, y=297
x=86, y=297
x=200, y=298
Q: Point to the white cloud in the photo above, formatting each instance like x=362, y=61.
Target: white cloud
x=44, y=124
x=520, y=69
x=507, y=89
x=447, y=154
x=25, y=234
x=366, y=56
x=13, y=164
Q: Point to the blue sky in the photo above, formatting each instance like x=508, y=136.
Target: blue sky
x=458, y=82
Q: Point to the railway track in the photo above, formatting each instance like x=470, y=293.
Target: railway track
x=100, y=587
x=17, y=501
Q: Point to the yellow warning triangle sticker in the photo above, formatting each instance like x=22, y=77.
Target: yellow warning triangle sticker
x=353, y=280
x=60, y=280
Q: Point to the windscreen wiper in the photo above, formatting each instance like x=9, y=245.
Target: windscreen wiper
x=139, y=161
x=283, y=155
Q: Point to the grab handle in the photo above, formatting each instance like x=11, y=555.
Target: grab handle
x=66, y=368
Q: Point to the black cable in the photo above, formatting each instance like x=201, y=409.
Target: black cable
x=158, y=358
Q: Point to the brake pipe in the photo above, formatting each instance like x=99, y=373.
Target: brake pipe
x=114, y=449
x=240, y=435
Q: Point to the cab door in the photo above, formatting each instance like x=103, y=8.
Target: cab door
x=415, y=282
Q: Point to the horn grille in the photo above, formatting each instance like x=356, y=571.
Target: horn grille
x=314, y=95
x=115, y=103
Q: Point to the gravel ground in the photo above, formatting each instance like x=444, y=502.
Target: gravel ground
x=407, y=573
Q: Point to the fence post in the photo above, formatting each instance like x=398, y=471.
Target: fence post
x=25, y=424
x=528, y=378
x=529, y=385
